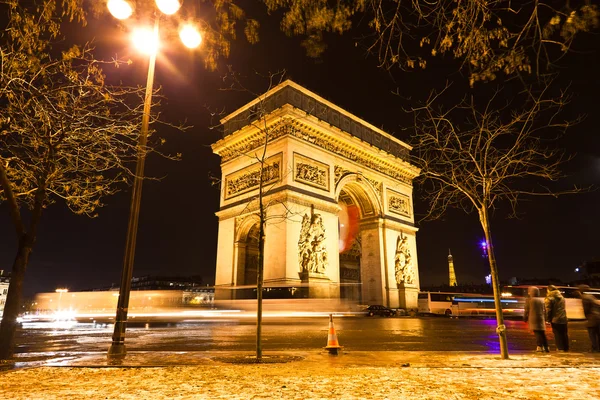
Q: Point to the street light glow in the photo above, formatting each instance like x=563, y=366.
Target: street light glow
x=145, y=40
x=119, y=9
x=190, y=37
x=168, y=6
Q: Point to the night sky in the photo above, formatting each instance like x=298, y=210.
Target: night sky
x=178, y=227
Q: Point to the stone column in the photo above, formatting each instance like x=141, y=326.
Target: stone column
x=372, y=263
x=239, y=259
x=224, y=277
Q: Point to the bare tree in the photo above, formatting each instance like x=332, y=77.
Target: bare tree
x=497, y=153
x=262, y=180
x=488, y=37
x=65, y=134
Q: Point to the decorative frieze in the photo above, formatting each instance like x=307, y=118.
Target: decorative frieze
x=314, y=107
x=398, y=203
x=311, y=172
x=255, y=141
x=248, y=179
x=348, y=152
x=328, y=143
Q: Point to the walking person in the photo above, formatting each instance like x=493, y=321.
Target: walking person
x=556, y=314
x=535, y=316
x=591, y=309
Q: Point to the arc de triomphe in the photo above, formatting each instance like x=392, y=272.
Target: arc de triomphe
x=338, y=196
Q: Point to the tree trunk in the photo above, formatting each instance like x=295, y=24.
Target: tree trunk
x=501, y=328
x=12, y=307
x=13, y=299
x=259, y=284
x=261, y=253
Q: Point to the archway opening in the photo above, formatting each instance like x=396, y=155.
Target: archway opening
x=358, y=199
x=349, y=248
x=247, y=261
x=250, y=260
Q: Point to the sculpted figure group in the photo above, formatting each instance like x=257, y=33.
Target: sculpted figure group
x=312, y=253
x=403, y=262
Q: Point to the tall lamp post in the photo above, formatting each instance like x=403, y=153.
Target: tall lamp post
x=147, y=41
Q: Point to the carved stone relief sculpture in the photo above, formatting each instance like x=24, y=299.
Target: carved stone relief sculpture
x=339, y=172
x=248, y=178
x=376, y=185
x=398, y=203
x=312, y=253
x=311, y=172
x=403, y=265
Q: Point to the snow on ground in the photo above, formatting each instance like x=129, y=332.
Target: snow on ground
x=318, y=377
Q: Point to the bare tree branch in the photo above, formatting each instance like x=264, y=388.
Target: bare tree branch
x=473, y=157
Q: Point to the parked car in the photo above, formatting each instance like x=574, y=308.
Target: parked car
x=380, y=310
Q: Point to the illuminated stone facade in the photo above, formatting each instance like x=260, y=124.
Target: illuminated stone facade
x=320, y=159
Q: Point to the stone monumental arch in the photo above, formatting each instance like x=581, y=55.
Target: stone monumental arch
x=338, y=203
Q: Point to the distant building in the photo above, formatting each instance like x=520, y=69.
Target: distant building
x=149, y=282
x=194, y=291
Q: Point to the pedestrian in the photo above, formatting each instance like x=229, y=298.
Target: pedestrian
x=556, y=314
x=591, y=309
x=534, y=315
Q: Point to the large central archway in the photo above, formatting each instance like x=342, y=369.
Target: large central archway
x=349, y=249
x=360, y=268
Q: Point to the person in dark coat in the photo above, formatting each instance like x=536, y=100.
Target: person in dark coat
x=556, y=314
x=535, y=316
x=591, y=309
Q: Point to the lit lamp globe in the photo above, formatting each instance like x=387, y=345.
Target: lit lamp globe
x=190, y=37
x=119, y=9
x=145, y=40
x=168, y=6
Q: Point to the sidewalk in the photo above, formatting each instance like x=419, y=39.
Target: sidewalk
x=315, y=375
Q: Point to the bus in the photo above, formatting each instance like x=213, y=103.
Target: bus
x=573, y=303
x=484, y=306
x=437, y=303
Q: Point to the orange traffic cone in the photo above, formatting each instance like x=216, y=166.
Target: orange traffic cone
x=332, y=341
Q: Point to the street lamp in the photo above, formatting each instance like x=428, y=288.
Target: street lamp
x=147, y=41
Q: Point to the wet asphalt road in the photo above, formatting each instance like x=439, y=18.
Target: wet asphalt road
x=357, y=333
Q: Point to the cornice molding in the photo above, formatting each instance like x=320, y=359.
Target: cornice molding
x=328, y=138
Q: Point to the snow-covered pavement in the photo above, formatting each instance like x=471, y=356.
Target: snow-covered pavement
x=316, y=375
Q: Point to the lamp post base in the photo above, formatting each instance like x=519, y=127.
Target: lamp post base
x=117, y=350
